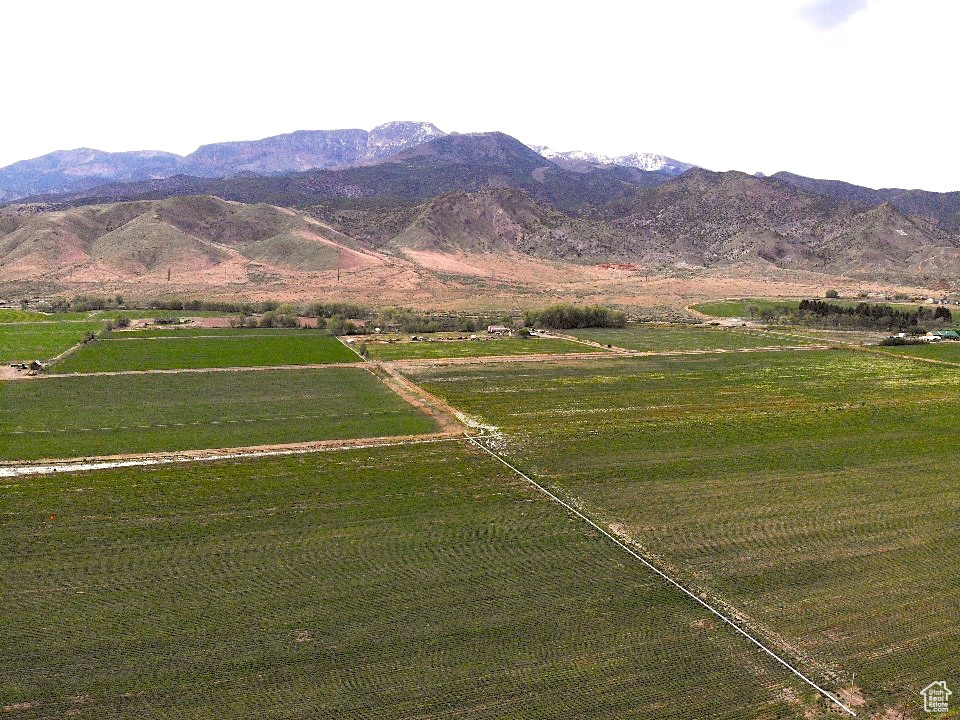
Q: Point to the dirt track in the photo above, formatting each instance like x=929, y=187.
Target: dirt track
x=44, y=467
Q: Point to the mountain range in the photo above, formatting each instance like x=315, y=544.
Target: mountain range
x=409, y=193
x=72, y=171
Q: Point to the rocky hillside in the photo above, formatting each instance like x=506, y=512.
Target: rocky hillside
x=944, y=208
x=708, y=219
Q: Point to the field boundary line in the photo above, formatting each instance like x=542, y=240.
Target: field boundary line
x=622, y=545
x=176, y=371
x=872, y=350
x=440, y=362
x=613, y=349
x=349, y=346
x=105, y=462
x=73, y=348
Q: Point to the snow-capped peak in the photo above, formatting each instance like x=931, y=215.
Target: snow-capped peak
x=649, y=162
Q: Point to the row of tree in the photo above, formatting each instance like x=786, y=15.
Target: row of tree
x=565, y=316
x=348, y=318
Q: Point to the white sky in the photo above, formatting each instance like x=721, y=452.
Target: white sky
x=860, y=90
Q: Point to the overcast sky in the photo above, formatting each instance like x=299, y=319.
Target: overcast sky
x=860, y=90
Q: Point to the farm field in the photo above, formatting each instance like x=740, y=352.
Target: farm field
x=214, y=348
x=741, y=308
x=826, y=336
x=9, y=315
x=406, y=582
x=104, y=415
x=814, y=492
x=190, y=331
x=948, y=350
x=653, y=337
x=23, y=342
x=474, y=348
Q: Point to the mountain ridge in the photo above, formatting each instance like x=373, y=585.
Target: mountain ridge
x=69, y=171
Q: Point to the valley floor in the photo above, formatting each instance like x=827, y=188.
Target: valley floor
x=360, y=557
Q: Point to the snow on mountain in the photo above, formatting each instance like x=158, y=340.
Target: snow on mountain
x=394, y=137
x=649, y=162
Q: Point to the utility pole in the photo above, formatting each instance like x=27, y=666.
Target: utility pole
x=339, y=260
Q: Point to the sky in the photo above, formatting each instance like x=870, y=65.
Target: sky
x=859, y=90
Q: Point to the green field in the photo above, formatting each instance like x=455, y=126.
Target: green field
x=408, y=350
x=394, y=583
x=10, y=316
x=174, y=349
x=948, y=350
x=41, y=340
x=93, y=415
x=653, y=337
x=814, y=492
x=179, y=331
x=741, y=308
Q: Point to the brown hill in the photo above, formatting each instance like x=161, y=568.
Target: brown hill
x=185, y=235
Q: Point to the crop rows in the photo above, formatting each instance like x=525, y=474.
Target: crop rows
x=391, y=583
x=814, y=492
x=107, y=415
x=225, y=348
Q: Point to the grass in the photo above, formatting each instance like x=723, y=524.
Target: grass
x=13, y=316
x=948, y=350
x=658, y=337
x=474, y=348
x=815, y=492
x=81, y=416
x=176, y=349
x=741, y=308
x=394, y=583
x=167, y=331
x=42, y=340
